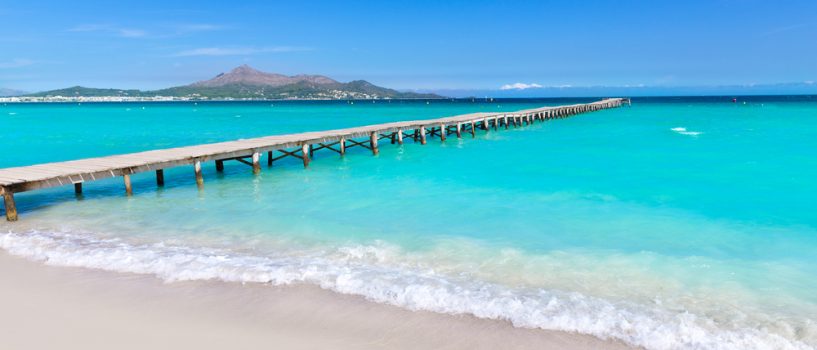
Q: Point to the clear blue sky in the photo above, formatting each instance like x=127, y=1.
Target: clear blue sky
x=410, y=44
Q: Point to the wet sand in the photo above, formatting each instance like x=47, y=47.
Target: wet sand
x=50, y=307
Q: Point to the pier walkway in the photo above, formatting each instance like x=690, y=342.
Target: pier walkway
x=250, y=151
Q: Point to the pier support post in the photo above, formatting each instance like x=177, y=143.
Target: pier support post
x=256, y=163
x=78, y=188
x=422, y=135
x=373, y=141
x=505, y=121
x=160, y=177
x=399, y=137
x=342, y=145
x=459, y=130
x=11, y=207
x=128, y=187
x=269, y=158
x=219, y=165
x=442, y=132
x=199, y=176
x=305, y=154
x=473, y=129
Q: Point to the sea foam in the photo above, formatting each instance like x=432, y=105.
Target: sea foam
x=350, y=270
x=684, y=131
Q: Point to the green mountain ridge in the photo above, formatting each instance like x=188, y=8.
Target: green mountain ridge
x=247, y=83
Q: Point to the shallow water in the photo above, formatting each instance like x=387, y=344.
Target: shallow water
x=674, y=223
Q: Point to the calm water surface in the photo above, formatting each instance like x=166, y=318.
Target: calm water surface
x=674, y=223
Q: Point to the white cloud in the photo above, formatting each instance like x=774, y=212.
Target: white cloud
x=109, y=29
x=132, y=33
x=89, y=28
x=237, y=51
x=198, y=27
x=160, y=32
x=16, y=63
x=520, y=86
x=786, y=28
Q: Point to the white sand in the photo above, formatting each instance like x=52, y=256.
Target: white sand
x=47, y=307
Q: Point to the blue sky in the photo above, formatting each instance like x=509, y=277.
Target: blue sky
x=431, y=45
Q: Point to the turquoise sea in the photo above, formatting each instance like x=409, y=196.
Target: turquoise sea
x=675, y=223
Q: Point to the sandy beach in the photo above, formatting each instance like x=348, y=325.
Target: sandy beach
x=49, y=307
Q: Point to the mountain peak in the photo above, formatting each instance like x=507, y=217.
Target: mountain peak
x=246, y=75
x=246, y=82
x=245, y=69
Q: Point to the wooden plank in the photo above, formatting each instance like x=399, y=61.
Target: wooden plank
x=58, y=173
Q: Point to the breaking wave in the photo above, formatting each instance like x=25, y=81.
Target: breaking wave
x=361, y=270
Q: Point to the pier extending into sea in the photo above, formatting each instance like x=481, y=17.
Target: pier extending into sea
x=251, y=151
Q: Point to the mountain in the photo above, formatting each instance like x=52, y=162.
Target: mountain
x=77, y=91
x=245, y=82
x=246, y=75
x=10, y=92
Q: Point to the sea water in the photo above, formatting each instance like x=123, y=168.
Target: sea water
x=674, y=223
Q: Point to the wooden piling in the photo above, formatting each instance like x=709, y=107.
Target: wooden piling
x=399, y=137
x=128, y=187
x=305, y=154
x=473, y=129
x=373, y=143
x=256, y=163
x=11, y=207
x=35, y=177
x=78, y=188
x=199, y=176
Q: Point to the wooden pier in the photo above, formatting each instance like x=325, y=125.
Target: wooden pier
x=250, y=151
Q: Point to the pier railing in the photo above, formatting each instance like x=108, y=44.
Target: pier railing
x=250, y=151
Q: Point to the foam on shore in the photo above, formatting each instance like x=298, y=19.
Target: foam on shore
x=343, y=270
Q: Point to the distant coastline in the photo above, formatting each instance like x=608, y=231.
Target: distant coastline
x=108, y=99
x=243, y=83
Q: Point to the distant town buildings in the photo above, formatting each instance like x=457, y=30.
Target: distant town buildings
x=322, y=95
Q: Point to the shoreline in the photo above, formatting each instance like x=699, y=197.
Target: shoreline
x=53, y=306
